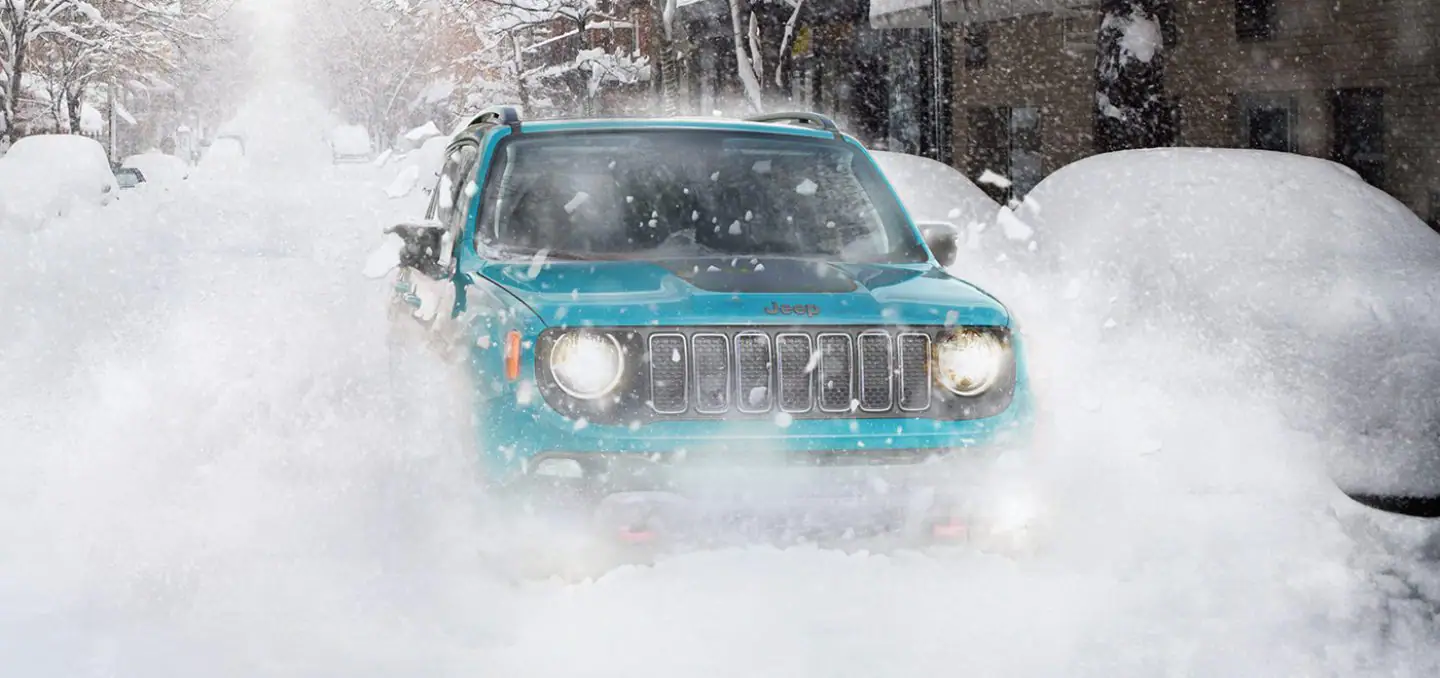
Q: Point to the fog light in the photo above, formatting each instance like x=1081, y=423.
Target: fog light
x=559, y=467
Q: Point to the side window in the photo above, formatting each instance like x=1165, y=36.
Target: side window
x=438, y=206
x=463, y=188
x=447, y=205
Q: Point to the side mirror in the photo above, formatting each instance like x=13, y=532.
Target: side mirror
x=426, y=247
x=943, y=239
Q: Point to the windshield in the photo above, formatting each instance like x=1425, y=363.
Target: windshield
x=691, y=193
x=127, y=178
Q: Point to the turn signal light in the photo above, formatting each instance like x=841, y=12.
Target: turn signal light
x=512, y=355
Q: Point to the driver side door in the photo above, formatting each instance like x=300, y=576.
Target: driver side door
x=425, y=300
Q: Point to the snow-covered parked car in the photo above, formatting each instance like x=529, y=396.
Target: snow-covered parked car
x=934, y=192
x=225, y=155
x=631, y=303
x=1307, y=280
x=160, y=169
x=54, y=175
x=350, y=143
x=940, y=196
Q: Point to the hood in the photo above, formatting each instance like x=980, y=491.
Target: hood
x=743, y=291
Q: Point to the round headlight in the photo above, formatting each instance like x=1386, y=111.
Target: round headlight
x=968, y=362
x=586, y=365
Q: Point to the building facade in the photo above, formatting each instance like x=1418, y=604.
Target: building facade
x=1353, y=81
x=871, y=77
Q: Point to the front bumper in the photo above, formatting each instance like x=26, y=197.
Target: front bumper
x=915, y=492
x=516, y=434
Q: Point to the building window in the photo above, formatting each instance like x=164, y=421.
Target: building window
x=1079, y=34
x=977, y=46
x=1267, y=122
x=1254, y=19
x=1358, y=118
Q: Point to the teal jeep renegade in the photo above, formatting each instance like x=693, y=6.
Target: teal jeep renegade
x=688, y=312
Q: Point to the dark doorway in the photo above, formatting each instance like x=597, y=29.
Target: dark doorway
x=1359, y=124
x=989, y=147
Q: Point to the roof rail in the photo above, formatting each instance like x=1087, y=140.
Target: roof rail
x=503, y=115
x=800, y=117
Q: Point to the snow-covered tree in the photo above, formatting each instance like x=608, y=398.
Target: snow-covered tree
x=22, y=24
x=381, y=59
x=763, y=32
x=1131, y=108
x=76, y=43
x=559, y=64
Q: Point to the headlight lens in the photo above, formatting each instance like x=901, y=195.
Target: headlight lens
x=586, y=365
x=969, y=361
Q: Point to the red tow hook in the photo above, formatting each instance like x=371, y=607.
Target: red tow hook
x=631, y=535
x=949, y=529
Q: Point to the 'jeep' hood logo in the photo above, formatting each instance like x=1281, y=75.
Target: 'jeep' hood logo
x=777, y=308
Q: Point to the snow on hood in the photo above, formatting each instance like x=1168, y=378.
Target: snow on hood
x=1309, y=281
x=738, y=290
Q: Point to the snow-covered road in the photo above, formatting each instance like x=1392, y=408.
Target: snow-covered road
x=202, y=475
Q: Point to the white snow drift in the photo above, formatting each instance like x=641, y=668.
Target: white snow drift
x=1312, y=285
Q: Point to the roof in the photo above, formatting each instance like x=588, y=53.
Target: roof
x=718, y=124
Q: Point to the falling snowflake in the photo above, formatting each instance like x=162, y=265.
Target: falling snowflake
x=580, y=199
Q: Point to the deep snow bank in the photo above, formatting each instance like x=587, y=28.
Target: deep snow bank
x=1309, y=284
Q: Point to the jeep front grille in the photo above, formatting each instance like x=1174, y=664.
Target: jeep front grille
x=753, y=371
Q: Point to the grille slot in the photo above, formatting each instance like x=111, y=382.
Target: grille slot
x=753, y=366
x=797, y=392
x=712, y=372
x=876, y=363
x=667, y=373
x=914, y=372
x=835, y=372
